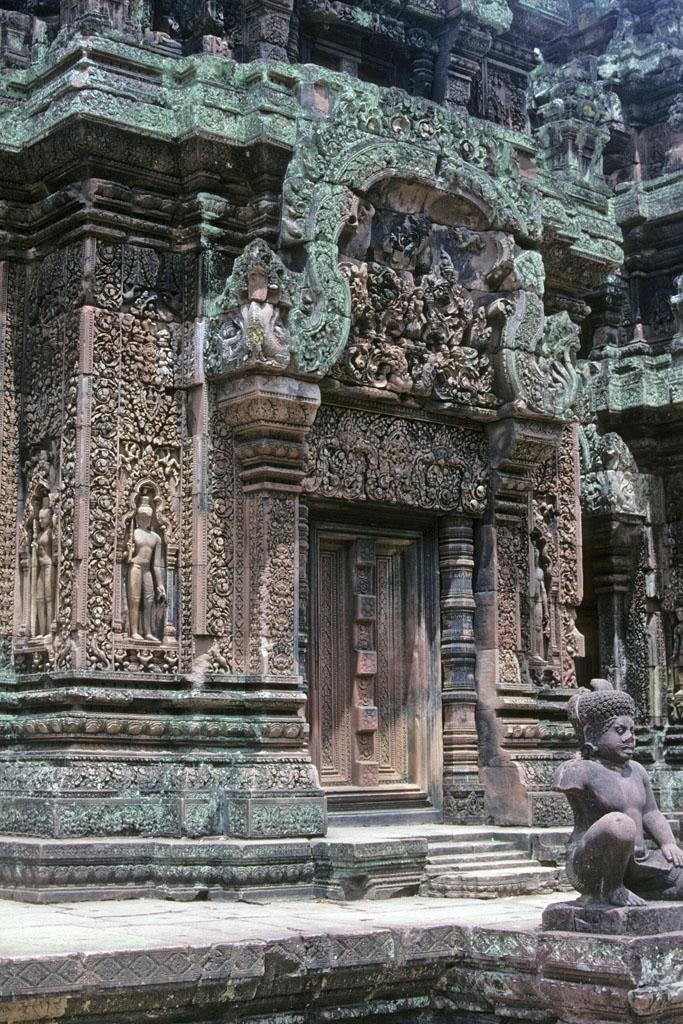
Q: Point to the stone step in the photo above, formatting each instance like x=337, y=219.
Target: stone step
x=440, y=848
x=490, y=884
x=483, y=851
x=471, y=862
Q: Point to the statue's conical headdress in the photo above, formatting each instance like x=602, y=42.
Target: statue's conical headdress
x=591, y=712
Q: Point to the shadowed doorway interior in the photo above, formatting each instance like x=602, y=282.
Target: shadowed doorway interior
x=375, y=706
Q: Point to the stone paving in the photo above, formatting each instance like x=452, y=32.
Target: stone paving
x=315, y=961
x=114, y=926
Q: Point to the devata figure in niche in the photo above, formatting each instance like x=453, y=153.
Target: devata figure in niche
x=677, y=645
x=145, y=590
x=614, y=808
x=43, y=575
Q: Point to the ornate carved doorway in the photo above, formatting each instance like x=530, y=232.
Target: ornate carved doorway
x=375, y=704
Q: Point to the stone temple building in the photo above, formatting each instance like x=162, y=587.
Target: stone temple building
x=341, y=398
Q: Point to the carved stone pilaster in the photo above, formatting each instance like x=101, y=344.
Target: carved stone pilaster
x=508, y=711
x=270, y=417
x=304, y=588
x=458, y=659
x=96, y=15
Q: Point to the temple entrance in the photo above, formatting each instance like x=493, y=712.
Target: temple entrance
x=375, y=704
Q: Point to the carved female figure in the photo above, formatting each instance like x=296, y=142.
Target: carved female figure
x=541, y=607
x=43, y=566
x=677, y=646
x=144, y=582
x=615, y=809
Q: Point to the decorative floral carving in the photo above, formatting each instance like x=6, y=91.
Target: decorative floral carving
x=221, y=545
x=272, y=584
x=366, y=457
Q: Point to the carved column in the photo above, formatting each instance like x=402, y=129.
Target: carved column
x=509, y=708
x=458, y=658
x=269, y=417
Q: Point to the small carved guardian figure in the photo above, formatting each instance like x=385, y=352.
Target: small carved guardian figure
x=677, y=310
x=43, y=572
x=540, y=603
x=266, y=337
x=145, y=590
x=615, y=812
x=677, y=645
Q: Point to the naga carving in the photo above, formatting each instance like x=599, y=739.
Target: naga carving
x=610, y=481
x=251, y=327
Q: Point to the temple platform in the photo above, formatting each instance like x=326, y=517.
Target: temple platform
x=412, y=960
x=349, y=863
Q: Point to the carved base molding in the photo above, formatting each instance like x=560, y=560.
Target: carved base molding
x=78, y=795
x=378, y=865
x=41, y=872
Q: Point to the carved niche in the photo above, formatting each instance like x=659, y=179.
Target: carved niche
x=38, y=550
x=147, y=558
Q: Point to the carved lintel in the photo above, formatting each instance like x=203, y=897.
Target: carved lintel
x=271, y=417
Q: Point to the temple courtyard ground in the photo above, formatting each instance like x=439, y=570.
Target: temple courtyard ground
x=404, y=960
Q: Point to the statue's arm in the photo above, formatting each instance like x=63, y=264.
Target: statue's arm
x=571, y=776
x=657, y=826
x=158, y=571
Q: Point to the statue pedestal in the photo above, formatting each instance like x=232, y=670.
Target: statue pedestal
x=656, y=918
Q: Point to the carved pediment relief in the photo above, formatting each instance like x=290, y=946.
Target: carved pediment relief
x=419, y=302
x=450, y=310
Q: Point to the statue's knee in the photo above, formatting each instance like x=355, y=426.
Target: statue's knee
x=620, y=827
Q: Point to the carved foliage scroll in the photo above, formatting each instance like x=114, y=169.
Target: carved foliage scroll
x=556, y=535
x=221, y=595
x=11, y=293
x=366, y=457
x=135, y=446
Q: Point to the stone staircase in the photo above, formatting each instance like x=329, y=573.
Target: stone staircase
x=485, y=867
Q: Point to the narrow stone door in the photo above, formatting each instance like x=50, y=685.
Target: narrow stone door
x=375, y=715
